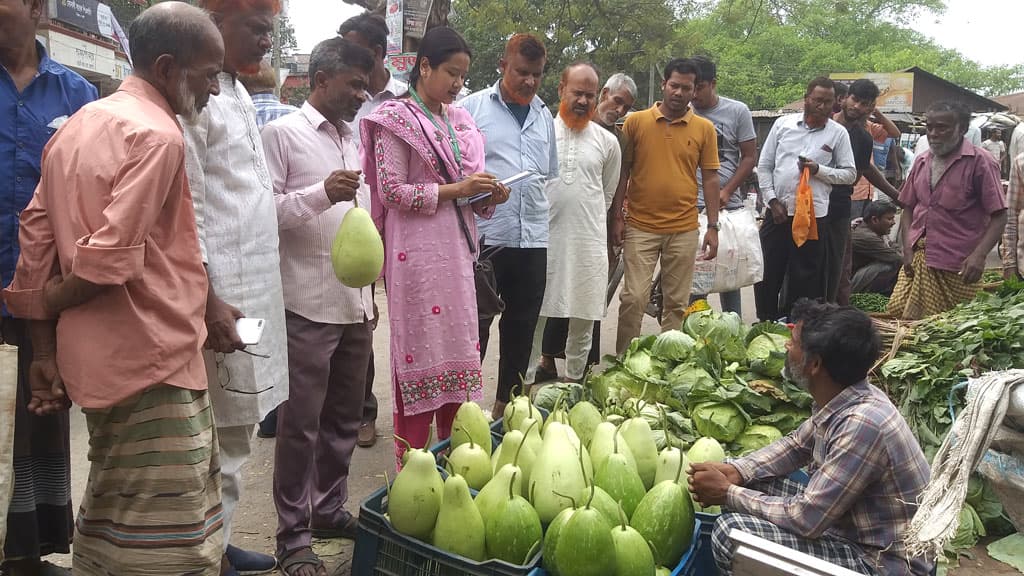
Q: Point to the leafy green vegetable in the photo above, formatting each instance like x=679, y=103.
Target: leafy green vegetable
x=673, y=345
x=982, y=335
x=785, y=418
x=767, y=354
x=756, y=437
x=719, y=420
x=970, y=529
x=870, y=302
x=548, y=394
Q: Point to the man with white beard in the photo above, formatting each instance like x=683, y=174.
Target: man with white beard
x=109, y=250
x=589, y=160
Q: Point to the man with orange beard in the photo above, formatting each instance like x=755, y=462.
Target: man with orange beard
x=520, y=137
x=237, y=221
x=577, y=261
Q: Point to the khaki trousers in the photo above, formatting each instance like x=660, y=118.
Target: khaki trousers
x=641, y=253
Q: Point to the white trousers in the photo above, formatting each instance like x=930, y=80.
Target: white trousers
x=235, y=444
x=577, y=348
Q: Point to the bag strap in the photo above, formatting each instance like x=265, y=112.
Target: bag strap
x=465, y=229
x=448, y=179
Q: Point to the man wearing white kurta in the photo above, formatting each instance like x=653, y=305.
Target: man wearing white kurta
x=589, y=159
x=238, y=235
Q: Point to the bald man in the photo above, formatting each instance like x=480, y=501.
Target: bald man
x=109, y=248
x=589, y=159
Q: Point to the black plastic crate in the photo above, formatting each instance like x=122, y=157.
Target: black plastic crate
x=380, y=551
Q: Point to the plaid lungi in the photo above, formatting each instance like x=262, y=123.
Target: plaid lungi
x=929, y=291
x=826, y=547
x=152, y=505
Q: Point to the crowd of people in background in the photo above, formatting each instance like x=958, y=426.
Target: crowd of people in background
x=192, y=197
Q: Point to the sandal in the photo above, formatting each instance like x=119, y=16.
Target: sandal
x=347, y=529
x=302, y=557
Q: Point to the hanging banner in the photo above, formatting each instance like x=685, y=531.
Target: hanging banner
x=395, y=21
x=417, y=12
x=400, y=64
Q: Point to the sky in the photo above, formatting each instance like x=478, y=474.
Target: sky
x=986, y=31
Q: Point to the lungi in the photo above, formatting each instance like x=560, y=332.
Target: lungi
x=152, y=505
x=930, y=291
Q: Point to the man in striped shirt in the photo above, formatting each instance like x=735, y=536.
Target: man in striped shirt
x=314, y=168
x=866, y=469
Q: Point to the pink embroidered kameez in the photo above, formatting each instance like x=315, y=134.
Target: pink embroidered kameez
x=428, y=267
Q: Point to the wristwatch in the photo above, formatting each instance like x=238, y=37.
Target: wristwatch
x=714, y=226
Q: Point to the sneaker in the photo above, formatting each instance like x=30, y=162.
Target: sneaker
x=246, y=562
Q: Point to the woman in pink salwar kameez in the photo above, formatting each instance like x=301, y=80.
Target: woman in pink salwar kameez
x=421, y=156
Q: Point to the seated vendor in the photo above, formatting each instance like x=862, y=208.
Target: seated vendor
x=876, y=261
x=866, y=469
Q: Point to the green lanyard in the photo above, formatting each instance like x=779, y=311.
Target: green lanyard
x=451, y=131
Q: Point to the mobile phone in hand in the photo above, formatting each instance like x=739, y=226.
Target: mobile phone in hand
x=250, y=330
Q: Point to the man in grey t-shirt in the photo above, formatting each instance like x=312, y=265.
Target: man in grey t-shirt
x=737, y=149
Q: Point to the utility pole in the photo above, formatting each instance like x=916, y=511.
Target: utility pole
x=652, y=82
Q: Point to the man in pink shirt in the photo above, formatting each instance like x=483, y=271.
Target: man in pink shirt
x=110, y=278
x=954, y=214
x=314, y=168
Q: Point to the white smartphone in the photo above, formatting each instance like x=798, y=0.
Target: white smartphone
x=250, y=330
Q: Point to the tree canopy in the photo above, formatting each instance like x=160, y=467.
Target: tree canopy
x=766, y=50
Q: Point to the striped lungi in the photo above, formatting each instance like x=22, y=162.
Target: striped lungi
x=153, y=504
x=929, y=291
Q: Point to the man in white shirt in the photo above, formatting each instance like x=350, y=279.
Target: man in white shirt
x=994, y=145
x=314, y=167
x=589, y=160
x=808, y=139
x=237, y=224
x=371, y=32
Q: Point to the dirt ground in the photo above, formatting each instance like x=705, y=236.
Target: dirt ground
x=256, y=519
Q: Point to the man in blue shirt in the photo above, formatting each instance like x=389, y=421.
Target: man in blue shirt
x=36, y=96
x=520, y=134
x=260, y=87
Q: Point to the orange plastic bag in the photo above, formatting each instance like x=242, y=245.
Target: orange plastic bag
x=805, y=225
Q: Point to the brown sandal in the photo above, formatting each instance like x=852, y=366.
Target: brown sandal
x=302, y=557
x=347, y=529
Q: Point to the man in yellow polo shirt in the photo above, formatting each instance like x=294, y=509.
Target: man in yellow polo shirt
x=665, y=146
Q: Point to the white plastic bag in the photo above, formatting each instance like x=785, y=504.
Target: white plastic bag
x=8, y=399
x=740, y=261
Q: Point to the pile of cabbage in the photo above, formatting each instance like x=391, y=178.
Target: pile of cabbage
x=714, y=378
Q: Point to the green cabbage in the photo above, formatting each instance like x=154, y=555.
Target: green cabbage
x=969, y=530
x=757, y=436
x=719, y=420
x=767, y=354
x=673, y=345
x=785, y=418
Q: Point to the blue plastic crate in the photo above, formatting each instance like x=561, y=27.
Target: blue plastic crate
x=381, y=551
x=701, y=561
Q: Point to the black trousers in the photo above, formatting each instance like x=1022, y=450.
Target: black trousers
x=520, y=274
x=800, y=270
x=836, y=238
x=556, y=331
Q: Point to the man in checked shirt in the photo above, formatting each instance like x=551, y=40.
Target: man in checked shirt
x=866, y=469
